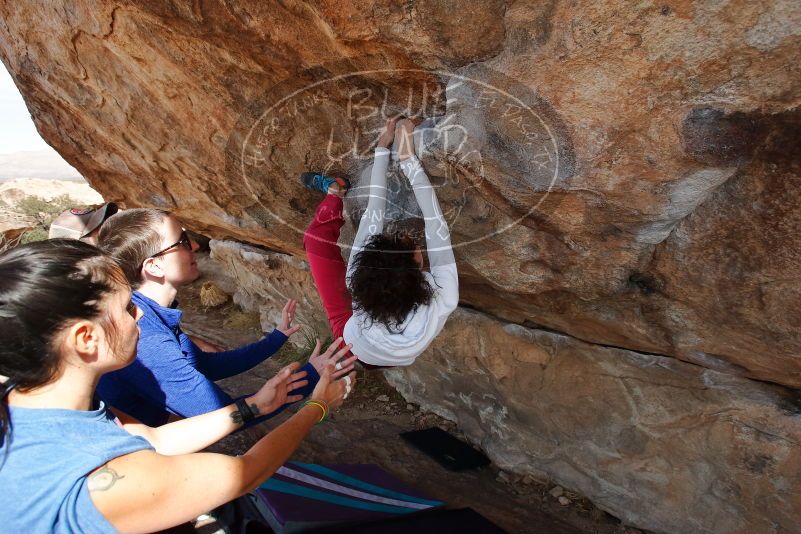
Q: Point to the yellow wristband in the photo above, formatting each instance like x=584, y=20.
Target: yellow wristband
x=325, y=408
x=321, y=405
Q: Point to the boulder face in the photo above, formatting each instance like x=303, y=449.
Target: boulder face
x=687, y=449
x=660, y=443
x=623, y=176
x=262, y=281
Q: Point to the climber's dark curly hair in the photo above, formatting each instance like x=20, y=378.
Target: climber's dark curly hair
x=387, y=284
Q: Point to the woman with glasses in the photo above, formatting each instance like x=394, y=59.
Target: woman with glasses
x=383, y=303
x=67, y=463
x=172, y=376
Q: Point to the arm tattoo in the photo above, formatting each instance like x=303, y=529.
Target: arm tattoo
x=237, y=417
x=103, y=479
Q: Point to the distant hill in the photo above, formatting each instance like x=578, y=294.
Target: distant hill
x=44, y=164
x=12, y=191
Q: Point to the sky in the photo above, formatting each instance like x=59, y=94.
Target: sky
x=17, y=132
x=23, y=153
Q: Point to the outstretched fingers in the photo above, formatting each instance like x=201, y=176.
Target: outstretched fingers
x=297, y=381
x=336, y=359
x=297, y=385
x=292, y=330
x=290, y=306
x=332, y=347
x=287, y=316
x=294, y=382
x=339, y=354
x=287, y=375
x=298, y=375
x=344, y=366
x=349, y=382
x=288, y=370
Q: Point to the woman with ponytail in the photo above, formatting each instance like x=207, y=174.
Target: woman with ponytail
x=69, y=464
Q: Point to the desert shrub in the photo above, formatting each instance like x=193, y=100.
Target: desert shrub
x=37, y=234
x=43, y=212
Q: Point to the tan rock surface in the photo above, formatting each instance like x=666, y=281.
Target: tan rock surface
x=658, y=116
x=660, y=443
x=366, y=428
x=262, y=281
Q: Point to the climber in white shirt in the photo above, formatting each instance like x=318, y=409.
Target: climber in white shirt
x=384, y=304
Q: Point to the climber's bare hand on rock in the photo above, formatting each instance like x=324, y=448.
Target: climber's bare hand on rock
x=406, y=131
x=388, y=135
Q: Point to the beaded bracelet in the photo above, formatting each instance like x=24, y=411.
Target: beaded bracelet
x=320, y=404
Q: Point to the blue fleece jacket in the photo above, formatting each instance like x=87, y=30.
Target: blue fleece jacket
x=172, y=375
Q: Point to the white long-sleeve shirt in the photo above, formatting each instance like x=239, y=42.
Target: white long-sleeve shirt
x=373, y=342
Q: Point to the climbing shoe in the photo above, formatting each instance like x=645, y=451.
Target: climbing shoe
x=321, y=182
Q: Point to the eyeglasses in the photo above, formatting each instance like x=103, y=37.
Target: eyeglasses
x=184, y=242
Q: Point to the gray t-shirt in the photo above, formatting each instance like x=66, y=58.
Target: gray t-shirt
x=44, y=463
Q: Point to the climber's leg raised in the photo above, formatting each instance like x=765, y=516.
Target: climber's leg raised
x=325, y=258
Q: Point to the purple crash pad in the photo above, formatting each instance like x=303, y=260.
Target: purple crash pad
x=302, y=497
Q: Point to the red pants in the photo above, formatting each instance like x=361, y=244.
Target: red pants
x=327, y=266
